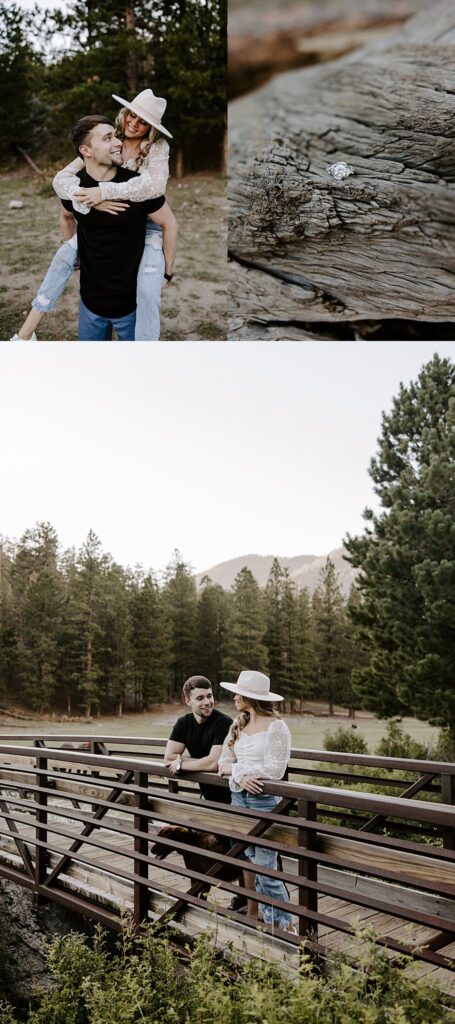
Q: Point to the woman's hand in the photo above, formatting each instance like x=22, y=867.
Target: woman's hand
x=251, y=784
x=89, y=196
x=112, y=206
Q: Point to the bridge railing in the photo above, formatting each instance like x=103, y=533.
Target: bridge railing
x=58, y=828
x=406, y=777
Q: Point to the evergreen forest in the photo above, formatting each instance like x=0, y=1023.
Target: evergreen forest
x=81, y=634
x=57, y=65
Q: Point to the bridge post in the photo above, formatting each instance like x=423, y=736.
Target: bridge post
x=141, y=846
x=448, y=797
x=41, y=822
x=308, y=869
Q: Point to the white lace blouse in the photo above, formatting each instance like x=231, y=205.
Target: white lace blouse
x=264, y=755
x=152, y=180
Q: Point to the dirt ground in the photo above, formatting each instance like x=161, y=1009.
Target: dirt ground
x=193, y=306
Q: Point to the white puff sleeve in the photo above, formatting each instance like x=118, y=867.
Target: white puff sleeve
x=66, y=183
x=272, y=764
x=152, y=180
x=277, y=750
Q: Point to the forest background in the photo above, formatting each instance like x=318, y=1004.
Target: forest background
x=79, y=632
x=56, y=65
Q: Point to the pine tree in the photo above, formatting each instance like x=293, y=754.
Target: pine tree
x=180, y=602
x=329, y=616
x=84, y=615
x=8, y=648
x=211, y=634
x=115, y=657
x=246, y=649
x=21, y=71
x=305, y=657
x=274, y=638
x=151, y=643
x=38, y=598
x=407, y=555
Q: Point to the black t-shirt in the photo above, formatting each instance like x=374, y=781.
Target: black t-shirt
x=199, y=740
x=110, y=249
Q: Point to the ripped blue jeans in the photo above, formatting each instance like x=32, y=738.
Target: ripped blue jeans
x=149, y=281
x=261, y=855
x=53, y=285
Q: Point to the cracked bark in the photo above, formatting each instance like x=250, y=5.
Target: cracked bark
x=380, y=244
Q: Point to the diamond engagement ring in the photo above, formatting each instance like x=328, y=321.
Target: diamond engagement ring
x=340, y=170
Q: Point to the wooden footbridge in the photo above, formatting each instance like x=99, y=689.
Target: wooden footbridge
x=78, y=826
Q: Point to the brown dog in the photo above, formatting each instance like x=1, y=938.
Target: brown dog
x=193, y=859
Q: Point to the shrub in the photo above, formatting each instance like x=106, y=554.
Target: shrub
x=349, y=741
x=444, y=749
x=145, y=984
x=397, y=743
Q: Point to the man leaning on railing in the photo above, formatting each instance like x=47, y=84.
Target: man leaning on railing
x=200, y=733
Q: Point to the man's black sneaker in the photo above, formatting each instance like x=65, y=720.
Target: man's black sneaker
x=238, y=903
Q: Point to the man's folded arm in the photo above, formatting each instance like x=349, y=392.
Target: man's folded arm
x=209, y=763
x=173, y=750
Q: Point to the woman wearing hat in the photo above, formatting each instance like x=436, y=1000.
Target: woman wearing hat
x=257, y=747
x=138, y=124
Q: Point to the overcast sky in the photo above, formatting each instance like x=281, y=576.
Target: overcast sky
x=217, y=449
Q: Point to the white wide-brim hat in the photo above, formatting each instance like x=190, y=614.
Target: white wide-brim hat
x=148, y=106
x=253, y=684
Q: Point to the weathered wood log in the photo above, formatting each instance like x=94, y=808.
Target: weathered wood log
x=14, y=714
x=266, y=36
x=379, y=244
x=31, y=162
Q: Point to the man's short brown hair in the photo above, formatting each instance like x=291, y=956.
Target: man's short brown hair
x=78, y=134
x=195, y=683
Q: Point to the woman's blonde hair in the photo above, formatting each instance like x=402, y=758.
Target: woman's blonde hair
x=145, y=143
x=263, y=707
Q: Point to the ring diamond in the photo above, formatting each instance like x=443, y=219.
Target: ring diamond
x=340, y=170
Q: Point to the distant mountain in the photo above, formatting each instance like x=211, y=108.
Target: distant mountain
x=303, y=569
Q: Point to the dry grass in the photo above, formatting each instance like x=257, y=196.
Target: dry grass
x=194, y=306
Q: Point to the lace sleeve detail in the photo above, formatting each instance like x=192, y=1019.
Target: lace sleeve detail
x=227, y=759
x=66, y=183
x=151, y=182
x=277, y=750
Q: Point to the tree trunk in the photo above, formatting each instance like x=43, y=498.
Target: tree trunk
x=130, y=26
x=223, y=154
x=179, y=163
x=380, y=244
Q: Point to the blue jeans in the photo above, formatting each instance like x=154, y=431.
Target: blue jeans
x=272, y=887
x=149, y=281
x=53, y=285
x=99, y=328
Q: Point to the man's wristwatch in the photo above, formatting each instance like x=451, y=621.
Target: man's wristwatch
x=168, y=277
x=177, y=764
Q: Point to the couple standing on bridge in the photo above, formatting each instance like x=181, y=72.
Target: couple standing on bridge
x=254, y=746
